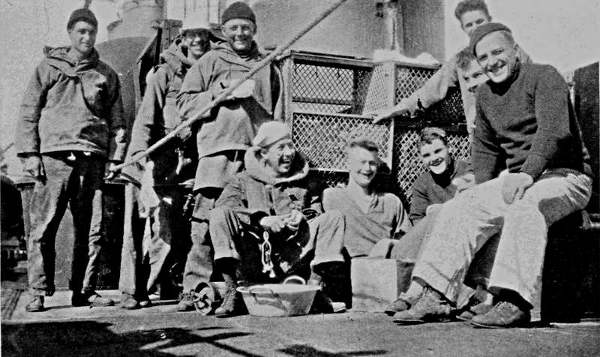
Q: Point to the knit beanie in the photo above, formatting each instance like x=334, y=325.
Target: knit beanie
x=271, y=132
x=238, y=10
x=82, y=15
x=483, y=30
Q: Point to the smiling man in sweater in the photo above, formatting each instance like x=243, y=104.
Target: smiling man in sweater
x=526, y=126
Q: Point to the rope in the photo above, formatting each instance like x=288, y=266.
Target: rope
x=267, y=60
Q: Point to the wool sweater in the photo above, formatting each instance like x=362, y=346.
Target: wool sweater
x=527, y=124
x=430, y=188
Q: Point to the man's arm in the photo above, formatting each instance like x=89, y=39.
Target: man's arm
x=118, y=126
x=145, y=126
x=420, y=201
x=486, y=152
x=403, y=223
x=553, y=125
x=434, y=90
x=194, y=93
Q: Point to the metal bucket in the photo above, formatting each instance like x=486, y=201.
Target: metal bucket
x=272, y=300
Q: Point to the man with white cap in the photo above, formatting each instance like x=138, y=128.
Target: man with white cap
x=157, y=206
x=270, y=198
x=227, y=131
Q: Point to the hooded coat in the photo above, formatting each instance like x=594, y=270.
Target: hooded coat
x=71, y=106
x=232, y=124
x=157, y=115
x=255, y=194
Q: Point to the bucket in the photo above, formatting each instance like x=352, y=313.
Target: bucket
x=272, y=300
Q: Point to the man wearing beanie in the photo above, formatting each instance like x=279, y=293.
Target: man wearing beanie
x=270, y=197
x=160, y=199
x=71, y=124
x=470, y=14
x=526, y=126
x=227, y=131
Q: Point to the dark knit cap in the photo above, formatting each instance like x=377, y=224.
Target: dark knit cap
x=482, y=31
x=238, y=10
x=82, y=15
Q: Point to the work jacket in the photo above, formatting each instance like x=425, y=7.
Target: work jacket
x=70, y=106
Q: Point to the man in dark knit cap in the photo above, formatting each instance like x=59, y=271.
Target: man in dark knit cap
x=531, y=170
x=224, y=134
x=71, y=124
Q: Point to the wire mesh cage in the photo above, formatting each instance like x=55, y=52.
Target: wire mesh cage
x=328, y=96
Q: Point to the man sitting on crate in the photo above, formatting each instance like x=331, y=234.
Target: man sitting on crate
x=370, y=218
x=526, y=124
x=259, y=227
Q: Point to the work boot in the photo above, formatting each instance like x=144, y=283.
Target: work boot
x=129, y=302
x=90, y=298
x=431, y=307
x=504, y=314
x=232, y=300
x=186, y=302
x=397, y=305
x=36, y=304
x=473, y=310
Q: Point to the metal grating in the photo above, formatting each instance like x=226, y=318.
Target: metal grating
x=322, y=137
x=329, y=88
x=377, y=96
x=409, y=79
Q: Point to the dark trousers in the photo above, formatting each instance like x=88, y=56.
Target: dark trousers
x=76, y=183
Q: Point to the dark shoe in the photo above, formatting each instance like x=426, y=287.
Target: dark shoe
x=145, y=302
x=471, y=311
x=186, y=302
x=129, y=302
x=232, y=304
x=431, y=307
x=92, y=299
x=504, y=314
x=36, y=304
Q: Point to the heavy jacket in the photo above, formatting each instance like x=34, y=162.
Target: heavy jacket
x=254, y=194
x=233, y=124
x=71, y=106
x=157, y=115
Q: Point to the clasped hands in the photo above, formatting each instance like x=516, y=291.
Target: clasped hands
x=276, y=224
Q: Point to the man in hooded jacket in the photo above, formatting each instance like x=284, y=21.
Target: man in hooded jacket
x=155, y=228
x=227, y=131
x=70, y=125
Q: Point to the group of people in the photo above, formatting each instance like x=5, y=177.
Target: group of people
x=476, y=231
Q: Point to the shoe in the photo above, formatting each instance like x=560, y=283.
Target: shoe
x=92, y=299
x=232, y=304
x=504, y=314
x=471, y=311
x=128, y=302
x=36, y=304
x=145, y=301
x=397, y=305
x=431, y=307
x=186, y=302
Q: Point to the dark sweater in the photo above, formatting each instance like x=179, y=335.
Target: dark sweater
x=430, y=188
x=527, y=124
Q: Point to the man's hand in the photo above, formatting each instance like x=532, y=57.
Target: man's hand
x=273, y=224
x=294, y=219
x=245, y=90
x=111, y=171
x=34, y=166
x=514, y=186
x=464, y=182
x=386, y=113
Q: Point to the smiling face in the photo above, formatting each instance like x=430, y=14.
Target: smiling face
x=473, y=76
x=435, y=156
x=240, y=34
x=363, y=165
x=83, y=37
x=197, y=42
x=470, y=20
x=279, y=156
x=497, y=54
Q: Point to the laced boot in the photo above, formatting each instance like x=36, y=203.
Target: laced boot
x=431, y=307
